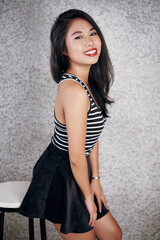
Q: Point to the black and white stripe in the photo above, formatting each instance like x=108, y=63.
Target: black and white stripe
x=95, y=122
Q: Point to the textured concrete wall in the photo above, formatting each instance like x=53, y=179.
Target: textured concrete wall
x=130, y=143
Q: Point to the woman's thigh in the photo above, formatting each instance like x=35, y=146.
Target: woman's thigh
x=76, y=236
x=106, y=228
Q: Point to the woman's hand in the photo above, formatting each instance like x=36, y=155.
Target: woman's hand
x=92, y=209
x=98, y=192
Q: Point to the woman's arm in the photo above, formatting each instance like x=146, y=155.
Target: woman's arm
x=95, y=183
x=94, y=160
x=75, y=105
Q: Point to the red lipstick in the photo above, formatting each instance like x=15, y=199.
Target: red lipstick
x=91, y=53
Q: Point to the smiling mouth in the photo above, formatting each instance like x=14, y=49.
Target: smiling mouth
x=91, y=53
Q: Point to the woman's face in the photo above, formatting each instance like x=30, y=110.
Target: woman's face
x=83, y=43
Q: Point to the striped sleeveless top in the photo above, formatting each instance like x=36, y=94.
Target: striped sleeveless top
x=95, y=122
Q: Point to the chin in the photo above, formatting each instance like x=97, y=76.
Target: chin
x=94, y=62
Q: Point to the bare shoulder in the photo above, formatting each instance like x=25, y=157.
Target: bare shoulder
x=71, y=91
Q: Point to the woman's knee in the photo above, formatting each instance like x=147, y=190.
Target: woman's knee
x=76, y=236
x=114, y=234
x=107, y=228
x=118, y=233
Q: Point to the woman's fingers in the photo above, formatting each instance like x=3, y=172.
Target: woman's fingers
x=90, y=218
x=99, y=204
x=93, y=218
x=101, y=199
x=105, y=202
x=92, y=209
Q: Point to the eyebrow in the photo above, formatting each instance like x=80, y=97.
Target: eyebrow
x=81, y=31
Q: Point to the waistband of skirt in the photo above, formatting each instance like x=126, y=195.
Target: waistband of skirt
x=58, y=150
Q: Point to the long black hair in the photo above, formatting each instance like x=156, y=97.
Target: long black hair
x=101, y=74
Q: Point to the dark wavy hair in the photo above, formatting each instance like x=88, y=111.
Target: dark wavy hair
x=101, y=74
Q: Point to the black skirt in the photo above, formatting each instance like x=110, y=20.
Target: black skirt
x=54, y=194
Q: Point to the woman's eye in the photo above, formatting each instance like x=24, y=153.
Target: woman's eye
x=94, y=33
x=78, y=37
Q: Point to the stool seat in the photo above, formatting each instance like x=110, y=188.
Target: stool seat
x=12, y=193
x=11, y=197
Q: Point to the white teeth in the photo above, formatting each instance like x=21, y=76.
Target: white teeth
x=90, y=52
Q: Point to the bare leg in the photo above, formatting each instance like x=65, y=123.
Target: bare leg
x=107, y=228
x=76, y=236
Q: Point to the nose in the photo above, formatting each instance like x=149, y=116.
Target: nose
x=88, y=41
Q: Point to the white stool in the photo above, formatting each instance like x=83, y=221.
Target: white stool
x=11, y=196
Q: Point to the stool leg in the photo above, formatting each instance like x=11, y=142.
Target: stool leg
x=43, y=229
x=31, y=229
x=1, y=224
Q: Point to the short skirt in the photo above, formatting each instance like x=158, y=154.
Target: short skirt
x=54, y=194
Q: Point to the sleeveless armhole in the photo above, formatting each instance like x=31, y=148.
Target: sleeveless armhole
x=81, y=86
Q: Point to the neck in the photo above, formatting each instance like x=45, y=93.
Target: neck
x=81, y=73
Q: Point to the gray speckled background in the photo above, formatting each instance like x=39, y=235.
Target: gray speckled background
x=130, y=143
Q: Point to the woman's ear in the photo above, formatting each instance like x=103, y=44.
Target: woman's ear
x=64, y=52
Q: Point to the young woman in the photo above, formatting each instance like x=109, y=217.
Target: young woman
x=66, y=187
